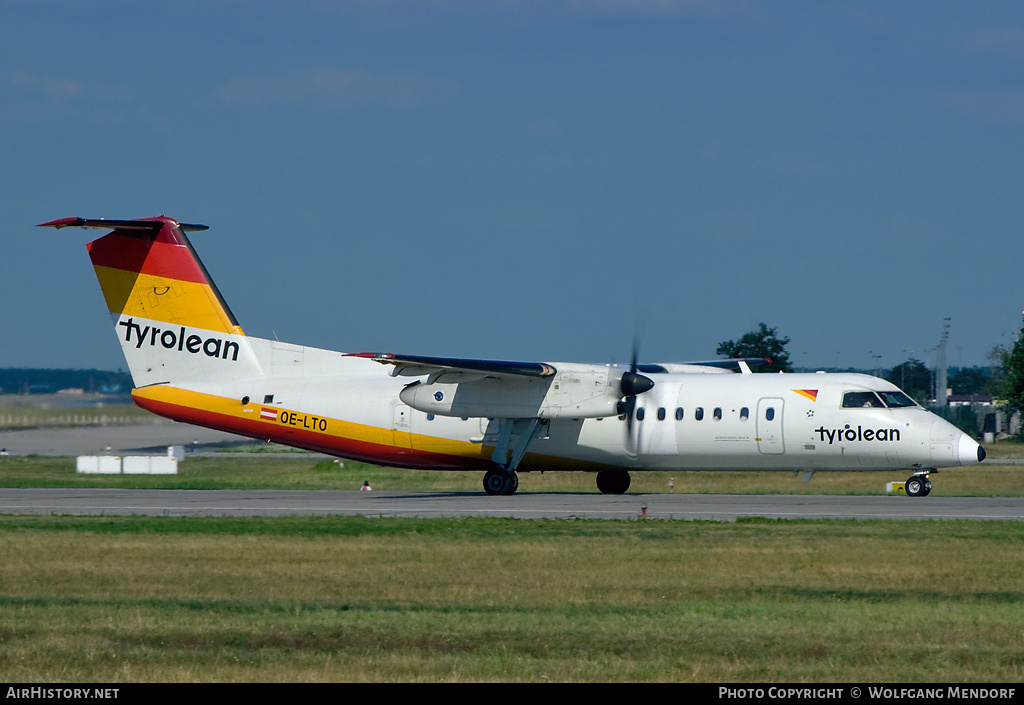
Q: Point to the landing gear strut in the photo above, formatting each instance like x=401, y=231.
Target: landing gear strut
x=503, y=479
x=500, y=482
x=613, y=481
x=918, y=486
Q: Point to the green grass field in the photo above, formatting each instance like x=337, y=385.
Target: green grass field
x=350, y=599
x=356, y=599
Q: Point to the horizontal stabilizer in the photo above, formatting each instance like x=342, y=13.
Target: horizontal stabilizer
x=141, y=224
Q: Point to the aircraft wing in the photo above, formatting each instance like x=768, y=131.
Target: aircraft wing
x=418, y=365
x=731, y=365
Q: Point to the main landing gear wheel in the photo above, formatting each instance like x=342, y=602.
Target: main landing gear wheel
x=918, y=486
x=613, y=481
x=500, y=482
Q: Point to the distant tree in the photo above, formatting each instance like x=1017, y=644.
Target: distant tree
x=970, y=380
x=913, y=378
x=764, y=342
x=997, y=356
x=25, y=380
x=1012, y=391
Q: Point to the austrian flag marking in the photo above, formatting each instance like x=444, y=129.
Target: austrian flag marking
x=268, y=414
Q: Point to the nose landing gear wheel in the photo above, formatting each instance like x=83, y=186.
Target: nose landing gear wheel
x=918, y=486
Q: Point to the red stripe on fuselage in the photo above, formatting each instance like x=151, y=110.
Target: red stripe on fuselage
x=310, y=440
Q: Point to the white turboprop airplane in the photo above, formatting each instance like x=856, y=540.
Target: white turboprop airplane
x=191, y=362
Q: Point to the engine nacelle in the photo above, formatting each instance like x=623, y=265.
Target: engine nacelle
x=576, y=391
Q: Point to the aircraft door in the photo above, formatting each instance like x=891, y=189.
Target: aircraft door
x=769, y=425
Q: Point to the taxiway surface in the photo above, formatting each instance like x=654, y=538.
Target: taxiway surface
x=524, y=505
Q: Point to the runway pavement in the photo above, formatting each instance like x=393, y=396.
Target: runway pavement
x=524, y=505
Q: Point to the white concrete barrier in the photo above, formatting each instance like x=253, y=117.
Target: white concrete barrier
x=131, y=465
x=149, y=465
x=98, y=465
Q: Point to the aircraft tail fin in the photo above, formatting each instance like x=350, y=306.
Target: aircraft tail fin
x=171, y=320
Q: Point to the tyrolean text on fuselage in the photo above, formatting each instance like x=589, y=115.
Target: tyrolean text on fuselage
x=180, y=340
x=860, y=433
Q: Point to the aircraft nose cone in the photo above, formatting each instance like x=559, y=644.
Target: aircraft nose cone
x=969, y=452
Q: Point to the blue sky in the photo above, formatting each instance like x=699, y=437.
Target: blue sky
x=527, y=180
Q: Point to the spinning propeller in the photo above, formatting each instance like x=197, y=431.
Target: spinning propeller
x=633, y=384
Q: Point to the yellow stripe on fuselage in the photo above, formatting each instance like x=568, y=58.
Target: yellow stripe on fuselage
x=231, y=412
x=329, y=435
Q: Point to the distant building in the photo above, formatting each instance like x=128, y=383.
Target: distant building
x=969, y=400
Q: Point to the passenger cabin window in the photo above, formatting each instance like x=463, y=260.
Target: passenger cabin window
x=698, y=413
x=718, y=413
x=744, y=414
x=679, y=414
x=862, y=400
x=661, y=414
x=640, y=414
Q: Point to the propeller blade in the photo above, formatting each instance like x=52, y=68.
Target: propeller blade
x=631, y=384
x=629, y=408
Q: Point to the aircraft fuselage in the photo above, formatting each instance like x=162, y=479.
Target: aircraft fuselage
x=686, y=422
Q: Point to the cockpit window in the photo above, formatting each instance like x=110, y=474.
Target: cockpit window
x=858, y=400
x=895, y=400
x=871, y=400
